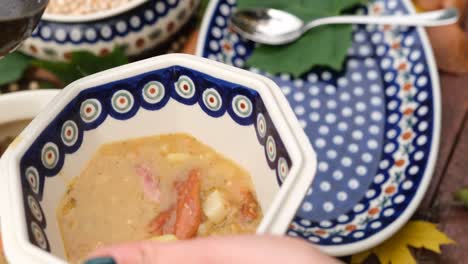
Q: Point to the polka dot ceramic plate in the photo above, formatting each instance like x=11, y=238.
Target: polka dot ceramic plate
x=375, y=127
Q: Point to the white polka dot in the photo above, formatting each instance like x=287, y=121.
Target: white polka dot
x=314, y=116
x=407, y=185
x=353, y=64
x=377, y=101
x=384, y=164
x=312, y=78
x=342, y=82
x=337, y=175
x=358, y=208
x=328, y=206
x=347, y=112
x=376, y=116
x=299, y=110
x=342, y=196
x=46, y=32
x=331, y=104
x=380, y=50
x=305, y=222
x=389, y=212
x=214, y=45
x=345, y=97
x=325, y=186
x=423, y=126
x=358, y=234
x=409, y=40
x=379, y=178
x=286, y=90
x=385, y=63
x=314, y=103
x=337, y=240
x=331, y=154
x=225, y=10
x=313, y=239
x=330, y=118
x=299, y=83
x=323, y=129
x=330, y=89
x=357, y=135
x=423, y=110
x=320, y=143
x=364, y=50
x=419, y=68
x=216, y=32
x=399, y=199
x=303, y=123
x=343, y=218
x=353, y=148
x=421, y=140
x=135, y=21
x=314, y=90
x=75, y=34
x=366, y=157
x=372, y=144
x=422, y=96
x=413, y=170
x=419, y=155
x=415, y=55
x=389, y=148
x=346, y=161
x=61, y=34
x=299, y=96
x=422, y=81
x=376, y=225
x=338, y=140
x=374, y=129
x=376, y=38
x=357, y=77
x=342, y=126
x=323, y=166
x=359, y=37
x=359, y=120
x=292, y=233
x=370, y=193
x=360, y=106
x=392, y=105
x=388, y=77
x=361, y=170
x=391, y=90
x=392, y=133
x=393, y=118
x=326, y=76
x=285, y=77
x=220, y=21
x=307, y=207
x=358, y=91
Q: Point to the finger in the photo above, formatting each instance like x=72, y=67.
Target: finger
x=229, y=250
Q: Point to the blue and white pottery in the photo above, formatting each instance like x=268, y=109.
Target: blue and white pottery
x=375, y=127
x=138, y=26
x=242, y=115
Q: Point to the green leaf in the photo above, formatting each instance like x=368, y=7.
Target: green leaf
x=462, y=196
x=12, y=67
x=83, y=63
x=322, y=46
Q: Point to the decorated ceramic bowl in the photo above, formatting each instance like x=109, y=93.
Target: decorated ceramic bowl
x=138, y=26
x=242, y=115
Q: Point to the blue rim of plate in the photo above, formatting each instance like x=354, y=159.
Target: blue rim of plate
x=380, y=196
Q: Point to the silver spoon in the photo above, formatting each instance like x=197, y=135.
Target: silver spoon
x=277, y=27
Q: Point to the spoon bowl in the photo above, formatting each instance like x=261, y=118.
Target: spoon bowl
x=277, y=27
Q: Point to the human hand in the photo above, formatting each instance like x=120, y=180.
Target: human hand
x=227, y=250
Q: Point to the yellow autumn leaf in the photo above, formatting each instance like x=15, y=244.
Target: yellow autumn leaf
x=417, y=234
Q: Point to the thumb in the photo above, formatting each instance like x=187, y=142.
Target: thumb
x=228, y=250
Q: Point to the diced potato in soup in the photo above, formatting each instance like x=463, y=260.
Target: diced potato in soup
x=157, y=188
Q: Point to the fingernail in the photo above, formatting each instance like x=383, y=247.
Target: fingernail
x=103, y=260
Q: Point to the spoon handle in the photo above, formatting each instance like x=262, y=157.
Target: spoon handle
x=427, y=19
